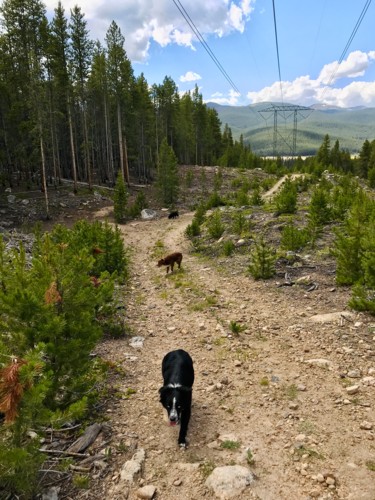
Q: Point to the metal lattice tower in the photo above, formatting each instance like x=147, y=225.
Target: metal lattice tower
x=288, y=112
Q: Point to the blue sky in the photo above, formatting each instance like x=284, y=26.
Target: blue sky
x=312, y=35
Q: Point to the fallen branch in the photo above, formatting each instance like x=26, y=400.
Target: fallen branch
x=87, y=439
x=67, y=453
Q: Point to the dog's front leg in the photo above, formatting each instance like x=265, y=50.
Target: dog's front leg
x=185, y=417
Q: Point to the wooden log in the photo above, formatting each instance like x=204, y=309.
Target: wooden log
x=86, y=439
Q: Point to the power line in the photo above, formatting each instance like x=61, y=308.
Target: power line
x=277, y=48
x=197, y=33
x=355, y=29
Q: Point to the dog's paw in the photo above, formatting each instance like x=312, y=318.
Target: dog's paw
x=182, y=446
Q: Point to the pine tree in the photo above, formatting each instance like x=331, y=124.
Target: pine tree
x=349, y=246
x=286, y=199
x=120, y=199
x=120, y=80
x=262, y=260
x=167, y=177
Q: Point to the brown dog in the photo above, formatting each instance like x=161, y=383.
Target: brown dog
x=170, y=261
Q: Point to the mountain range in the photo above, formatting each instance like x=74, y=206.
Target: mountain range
x=287, y=127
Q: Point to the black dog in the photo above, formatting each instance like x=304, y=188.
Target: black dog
x=173, y=215
x=176, y=393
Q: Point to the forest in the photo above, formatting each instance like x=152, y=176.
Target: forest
x=72, y=108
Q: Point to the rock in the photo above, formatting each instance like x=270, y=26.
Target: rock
x=52, y=493
x=293, y=406
x=367, y=426
x=368, y=381
x=354, y=374
x=240, y=243
x=353, y=389
x=229, y=481
x=136, y=342
x=331, y=317
x=11, y=198
x=147, y=492
x=321, y=362
x=132, y=467
x=148, y=214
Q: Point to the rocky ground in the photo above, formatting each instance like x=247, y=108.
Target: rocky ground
x=284, y=395
x=290, y=397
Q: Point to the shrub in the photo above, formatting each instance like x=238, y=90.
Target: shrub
x=215, y=225
x=242, y=198
x=120, y=199
x=139, y=204
x=101, y=240
x=239, y=222
x=193, y=229
x=49, y=318
x=319, y=211
x=228, y=248
x=256, y=198
x=262, y=260
x=349, y=243
x=293, y=238
x=214, y=201
x=286, y=199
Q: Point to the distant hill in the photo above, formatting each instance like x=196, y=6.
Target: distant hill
x=351, y=126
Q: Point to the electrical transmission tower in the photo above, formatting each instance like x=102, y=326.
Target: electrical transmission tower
x=289, y=112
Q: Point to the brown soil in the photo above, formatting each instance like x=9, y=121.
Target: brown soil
x=255, y=386
x=293, y=418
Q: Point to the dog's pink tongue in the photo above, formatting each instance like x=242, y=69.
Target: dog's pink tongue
x=172, y=423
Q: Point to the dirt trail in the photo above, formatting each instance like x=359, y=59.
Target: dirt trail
x=253, y=387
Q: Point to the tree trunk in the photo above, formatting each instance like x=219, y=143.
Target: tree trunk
x=108, y=137
x=44, y=183
x=72, y=147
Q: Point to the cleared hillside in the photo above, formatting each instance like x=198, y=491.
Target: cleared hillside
x=350, y=126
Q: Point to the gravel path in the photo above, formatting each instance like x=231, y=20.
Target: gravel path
x=298, y=425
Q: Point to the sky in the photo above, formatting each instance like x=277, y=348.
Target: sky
x=313, y=36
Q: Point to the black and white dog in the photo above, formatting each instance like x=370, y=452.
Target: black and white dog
x=176, y=393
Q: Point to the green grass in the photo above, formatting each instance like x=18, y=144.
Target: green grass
x=370, y=464
x=249, y=457
x=206, y=468
x=81, y=481
x=230, y=445
x=303, y=450
x=236, y=328
x=264, y=382
x=291, y=392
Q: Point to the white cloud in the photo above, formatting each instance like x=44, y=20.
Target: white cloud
x=307, y=91
x=190, y=76
x=355, y=65
x=144, y=21
x=231, y=99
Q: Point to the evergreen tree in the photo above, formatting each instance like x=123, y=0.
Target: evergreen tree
x=324, y=152
x=120, y=81
x=120, y=199
x=262, y=260
x=286, y=199
x=81, y=57
x=167, y=177
x=144, y=124
x=349, y=248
